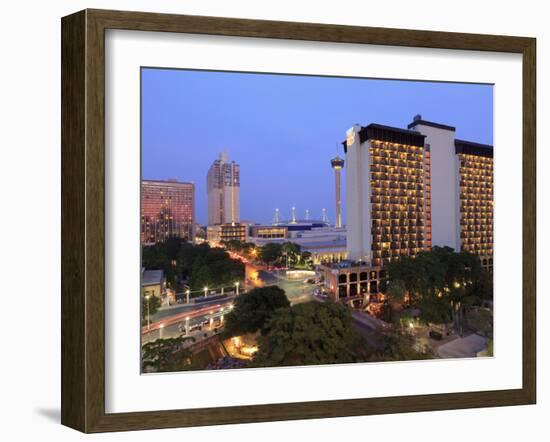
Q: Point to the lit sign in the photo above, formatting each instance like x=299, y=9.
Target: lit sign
x=350, y=138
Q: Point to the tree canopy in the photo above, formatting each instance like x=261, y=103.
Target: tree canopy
x=271, y=252
x=439, y=282
x=399, y=346
x=199, y=265
x=166, y=355
x=307, y=334
x=251, y=310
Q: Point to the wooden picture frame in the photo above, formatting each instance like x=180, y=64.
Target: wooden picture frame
x=83, y=219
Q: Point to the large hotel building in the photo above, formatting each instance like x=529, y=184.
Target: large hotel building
x=406, y=191
x=167, y=209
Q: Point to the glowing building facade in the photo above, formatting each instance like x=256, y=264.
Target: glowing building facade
x=167, y=209
x=388, y=206
x=476, y=200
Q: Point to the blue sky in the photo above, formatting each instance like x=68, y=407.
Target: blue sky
x=284, y=129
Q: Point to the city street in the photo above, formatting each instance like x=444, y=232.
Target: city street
x=202, y=319
x=296, y=290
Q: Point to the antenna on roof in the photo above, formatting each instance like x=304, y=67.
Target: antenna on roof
x=293, y=220
x=276, y=217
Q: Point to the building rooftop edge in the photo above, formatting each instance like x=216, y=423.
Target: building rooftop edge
x=473, y=144
x=393, y=129
x=167, y=182
x=432, y=124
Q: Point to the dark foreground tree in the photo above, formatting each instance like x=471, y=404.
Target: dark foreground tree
x=165, y=355
x=399, y=346
x=307, y=334
x=251, y=310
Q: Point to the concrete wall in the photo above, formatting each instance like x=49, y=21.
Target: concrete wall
x=445, y=186
x=358, y=197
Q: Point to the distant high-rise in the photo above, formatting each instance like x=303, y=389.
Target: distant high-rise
x=337, y=164
x=167, y=209
x=223, y=188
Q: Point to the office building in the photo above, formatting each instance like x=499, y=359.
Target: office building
x=223, y=184
x=226, y=232
x=167, y=209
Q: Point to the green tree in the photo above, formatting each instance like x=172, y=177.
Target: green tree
x=306, y=334
x=306, y=259
x=399, y=346
x=292, y=250
x=271, y=252
x=251, y=310
x=441, y=283
x=215, y=269
x=172, y=247
x=234, y=245
x=154, y=258
x=396, y=291
x=149, y=306
x=165, y=355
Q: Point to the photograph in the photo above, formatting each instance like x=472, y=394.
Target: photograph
x=298, y=220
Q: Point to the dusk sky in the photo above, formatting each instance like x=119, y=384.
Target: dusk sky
x=284, y=129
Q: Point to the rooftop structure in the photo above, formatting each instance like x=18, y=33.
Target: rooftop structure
x=337, y=164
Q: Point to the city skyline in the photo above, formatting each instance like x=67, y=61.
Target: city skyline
x=284, y=129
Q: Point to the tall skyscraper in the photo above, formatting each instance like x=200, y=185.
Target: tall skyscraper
x=223, y=188
x=167, y=209
x=462, y=190
x=337, y=164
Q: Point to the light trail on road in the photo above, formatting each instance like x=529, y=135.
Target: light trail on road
x=174, y=319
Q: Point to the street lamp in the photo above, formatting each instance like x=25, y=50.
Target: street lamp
x=205, y=292
x=187, y=293
x=237, y=287
x=148, y=313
